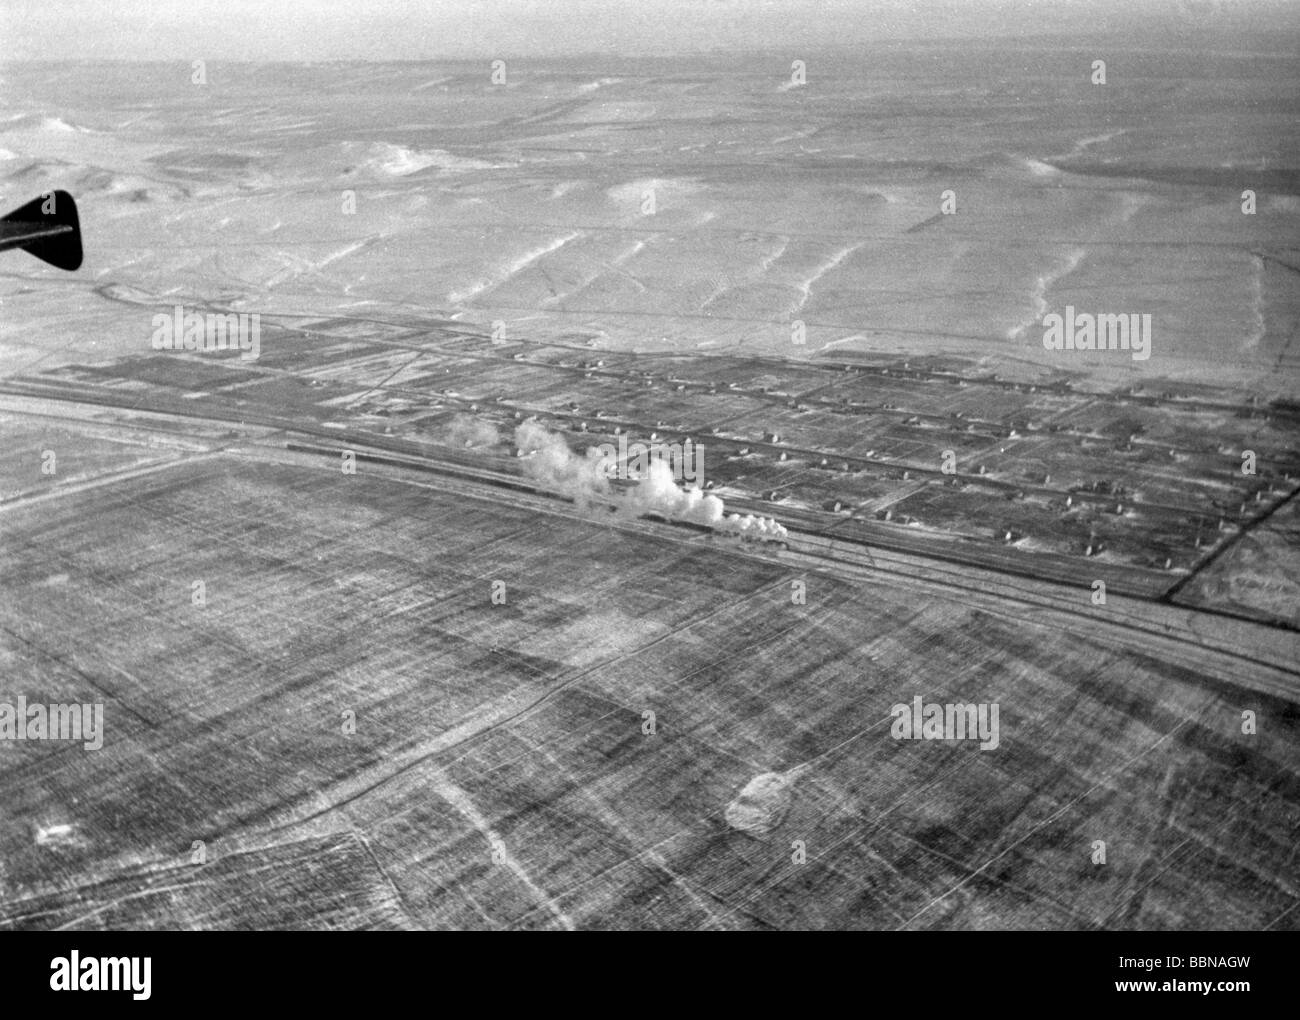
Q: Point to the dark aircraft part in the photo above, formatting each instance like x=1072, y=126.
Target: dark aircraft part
x=46, y=227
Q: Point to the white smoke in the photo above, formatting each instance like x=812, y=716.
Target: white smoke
x=765, y=529
x=466, y=430
x=548, y=459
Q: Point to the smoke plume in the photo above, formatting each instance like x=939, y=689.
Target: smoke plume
x=548, y=460
x=466, y=430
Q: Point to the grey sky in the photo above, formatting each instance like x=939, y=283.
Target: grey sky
x=413, y=29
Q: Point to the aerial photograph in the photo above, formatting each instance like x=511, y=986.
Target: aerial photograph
x=650, y=465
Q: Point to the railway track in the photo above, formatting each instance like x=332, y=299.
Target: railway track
x=1237, y=651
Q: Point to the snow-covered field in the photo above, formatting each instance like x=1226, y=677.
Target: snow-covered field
x=699, y=203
